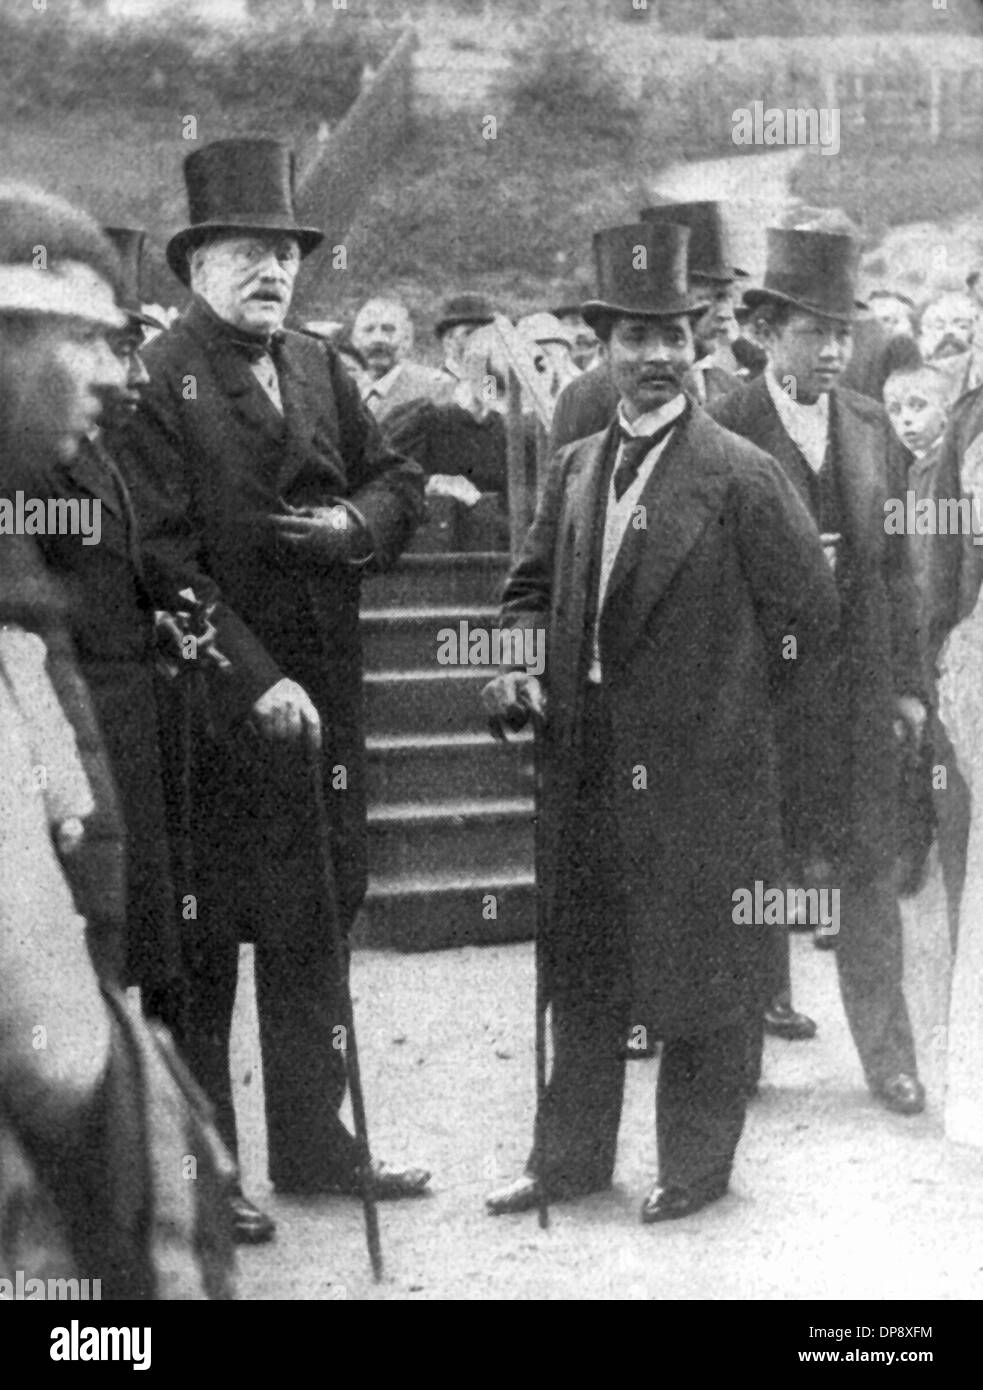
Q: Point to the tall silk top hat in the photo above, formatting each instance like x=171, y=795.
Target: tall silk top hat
x=642, y=271
x=709, y=249
x=814, y=271
x=239, y=185
x=129, y=246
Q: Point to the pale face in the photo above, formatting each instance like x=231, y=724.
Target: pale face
x=810, y=351
x=893, y=313
x=718, y=325
x=585, y=344
x=915, y=405
x=948, y=326
x=248, y=280
x=382, y=334
x=648, y=359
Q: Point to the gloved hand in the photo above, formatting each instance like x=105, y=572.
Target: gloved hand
x=286, y=711
x=510, y=699
x=326, y=535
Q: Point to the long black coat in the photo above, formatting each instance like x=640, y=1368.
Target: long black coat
x=878, y=639
x=209, y=459
x=695, y=621
x=110, y=617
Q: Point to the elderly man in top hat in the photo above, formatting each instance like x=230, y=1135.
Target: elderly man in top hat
x=586, y=405
x=673, y=569
x=839, y=451
x=383, y=334
x=459, y=317
x=264, y=486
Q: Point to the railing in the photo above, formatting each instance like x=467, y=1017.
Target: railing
x=525, y=387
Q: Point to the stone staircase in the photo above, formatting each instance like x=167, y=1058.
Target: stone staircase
x=450, y=809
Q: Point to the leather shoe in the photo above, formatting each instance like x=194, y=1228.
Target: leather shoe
x=904, y=1094
x=782, y=1021
x=522, y=1194
x=250, y=1226
x=388, y=1184
x=670, y=1203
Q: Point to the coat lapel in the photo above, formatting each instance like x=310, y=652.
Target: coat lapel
x=857, y=472
x=683, y=492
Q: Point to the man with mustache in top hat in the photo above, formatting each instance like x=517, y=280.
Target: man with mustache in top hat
x=588, y=403
x=671, y=566
x=839, y=451
x=264, y=485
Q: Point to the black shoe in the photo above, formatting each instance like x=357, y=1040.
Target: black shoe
x=522, y=1194
x=250, y=1226
x=903, y=1093
x=388, y=1184
x=782, y=1021
x=671, y=1203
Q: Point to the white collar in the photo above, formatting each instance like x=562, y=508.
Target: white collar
x=653, y=419
x=384, y=384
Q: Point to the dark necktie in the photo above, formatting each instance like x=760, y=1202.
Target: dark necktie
x=634, y=449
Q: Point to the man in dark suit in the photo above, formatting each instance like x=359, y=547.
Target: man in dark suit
x=839, y=451
x=670, y=564
x=134, y=940
x=263, y=485
x=587, y=404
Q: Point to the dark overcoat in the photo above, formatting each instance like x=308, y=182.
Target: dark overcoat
x=210, y=460
x=694, y=636
x=877, y=647
x=110, y=617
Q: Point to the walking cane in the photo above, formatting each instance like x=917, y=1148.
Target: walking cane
x=326, y=866
x=540, y=951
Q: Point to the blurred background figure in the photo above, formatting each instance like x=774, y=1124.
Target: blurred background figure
x=586, y=347
x=461, y=444
x=894, y=310
x=383, y=334
x=459, y=317
x=946, y=337
x=553, y=344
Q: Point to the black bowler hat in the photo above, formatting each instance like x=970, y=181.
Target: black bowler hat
x=464, y=308
x=238, y=185
x=642, y=272
x=129, y=247
x=709, y=250
x=814, y=271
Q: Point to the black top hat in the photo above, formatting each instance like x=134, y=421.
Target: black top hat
x=814, y=271
x=709, y=250
x=239, y=185
x=642, y=271
x=464, y=308
x=129, y=246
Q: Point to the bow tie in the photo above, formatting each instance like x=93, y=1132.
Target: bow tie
x=254, y=349
x=634, y=448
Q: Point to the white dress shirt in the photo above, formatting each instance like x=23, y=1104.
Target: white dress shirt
x=619, y=511
x=806, y=425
